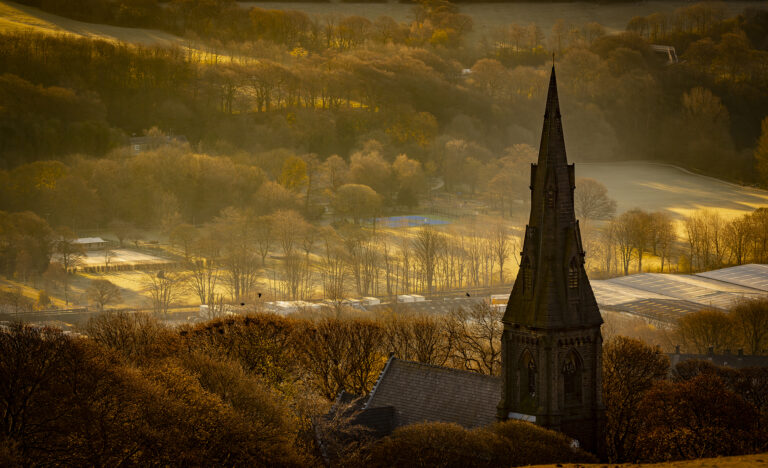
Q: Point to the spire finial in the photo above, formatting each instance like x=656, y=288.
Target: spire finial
x=553, y=60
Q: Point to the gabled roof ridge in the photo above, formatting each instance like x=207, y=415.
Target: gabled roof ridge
x=451, y=369
x=378, y=381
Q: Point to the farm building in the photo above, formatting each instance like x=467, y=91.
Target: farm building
x=91, y=243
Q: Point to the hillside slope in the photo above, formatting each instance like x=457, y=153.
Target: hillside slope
x=15, y=17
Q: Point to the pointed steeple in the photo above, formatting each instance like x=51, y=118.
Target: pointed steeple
x=552, y=289
x=551, y=345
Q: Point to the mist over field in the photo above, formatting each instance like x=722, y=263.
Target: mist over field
x=224, y=225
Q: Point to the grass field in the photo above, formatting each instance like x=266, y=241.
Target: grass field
x=660, y=187
x=15, y=17
x=22, y=18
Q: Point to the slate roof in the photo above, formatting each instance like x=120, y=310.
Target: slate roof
x=89, y=240
x=425, y=393
x=734, y=361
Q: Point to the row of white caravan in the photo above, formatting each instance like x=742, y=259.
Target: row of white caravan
x=410, y=298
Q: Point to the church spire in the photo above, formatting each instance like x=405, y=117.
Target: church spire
x=552, y=289
x=551, y=346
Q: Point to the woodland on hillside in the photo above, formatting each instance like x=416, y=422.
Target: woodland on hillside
x=283, y=80
x=292, y=117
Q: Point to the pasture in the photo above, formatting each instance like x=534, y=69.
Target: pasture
x=17, y=18
x=668, y=188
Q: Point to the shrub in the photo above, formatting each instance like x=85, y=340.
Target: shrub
x=510, y=443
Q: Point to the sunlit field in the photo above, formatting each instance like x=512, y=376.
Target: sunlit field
x=15, y=17
x=662, y=187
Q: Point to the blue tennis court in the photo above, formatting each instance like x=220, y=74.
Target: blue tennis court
x=409, y=221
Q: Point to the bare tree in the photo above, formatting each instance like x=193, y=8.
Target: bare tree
x=69, y=254
x=103, y=292
x=751, y=318
x=235, y=230
x=164, y=288
x=475, y=338
x=737, y=234
x=427, y=246
x=706, y=233
x=418, y=338
x=289, y=228
x=622, y=234
x=663, y=235
x=333, y=271
x=108, y=254
x=502, y=245
x=205, y=266
x=363, y=260
x=264, y=236
x=640, y=226
x=591, y=201
x=297, y=275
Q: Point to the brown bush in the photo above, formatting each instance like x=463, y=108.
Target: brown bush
x=510, y=443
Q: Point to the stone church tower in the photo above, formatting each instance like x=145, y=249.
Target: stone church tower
x=551, y=346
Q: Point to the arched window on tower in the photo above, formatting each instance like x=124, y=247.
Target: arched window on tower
x=527, y=376
x=573, y=275
x=571, y=370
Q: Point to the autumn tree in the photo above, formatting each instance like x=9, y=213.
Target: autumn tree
x=707, y=328
x=630, y=368
x=357, y=201
x=751, y=320
x=698, y=418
